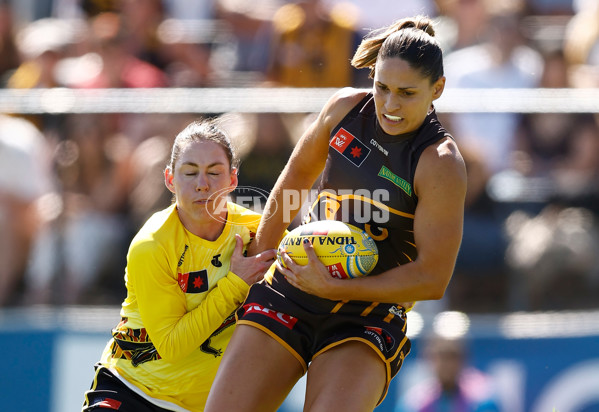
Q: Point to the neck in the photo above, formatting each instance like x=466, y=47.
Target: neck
x=210, y=231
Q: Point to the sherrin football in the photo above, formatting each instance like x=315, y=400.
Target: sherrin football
x=346, y=251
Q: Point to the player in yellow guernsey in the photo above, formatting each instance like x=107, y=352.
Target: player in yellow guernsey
x=186, y=275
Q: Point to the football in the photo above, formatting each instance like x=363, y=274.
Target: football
x=347, y=251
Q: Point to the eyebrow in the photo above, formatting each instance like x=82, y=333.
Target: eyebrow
x=196, y=165
x=399, y=88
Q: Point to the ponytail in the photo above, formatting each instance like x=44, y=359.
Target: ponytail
x=411, y=39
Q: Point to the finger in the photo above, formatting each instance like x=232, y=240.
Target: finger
x=267, y=255
x=284, y=271
x=238, y=245
x=310, y=252
x=290, y=263
x=282, y=268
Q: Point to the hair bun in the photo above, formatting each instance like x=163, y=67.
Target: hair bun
x=423, y=23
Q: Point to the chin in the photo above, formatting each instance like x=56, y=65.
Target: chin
x=394, y=130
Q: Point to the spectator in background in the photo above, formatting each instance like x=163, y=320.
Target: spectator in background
x=185, y=48
x=480, y=282
x=140, y=20
x=487, y=141
x=454, y=386
x=251, y=26
x=9, y=53
x=81, y=9
x=184, y=9
x=77, y=253
x=117, y=67
x=25, y=177
x=267, y=144
x=308, y=44
x=546, y=141
x=503, y=61
x=551, y=248
x=42, y=43
x=581, y=44
x=463, y=23
x=378, y=13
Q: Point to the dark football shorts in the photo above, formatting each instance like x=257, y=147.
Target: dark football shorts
x=317, y=325
x=109, y=393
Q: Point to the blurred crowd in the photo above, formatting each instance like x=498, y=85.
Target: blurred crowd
x=74, y=188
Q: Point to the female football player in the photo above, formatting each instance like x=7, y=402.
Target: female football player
x=350, y=335
x=186, y=275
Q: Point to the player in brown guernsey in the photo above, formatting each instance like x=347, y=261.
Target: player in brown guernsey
x=388, y=166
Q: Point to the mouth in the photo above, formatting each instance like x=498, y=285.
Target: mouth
x=394, y=119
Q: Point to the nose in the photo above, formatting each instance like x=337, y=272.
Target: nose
x=202, y=183
x=392, y=103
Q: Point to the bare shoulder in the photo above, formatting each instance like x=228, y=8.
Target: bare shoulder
x=340, y=103
x=442, y=162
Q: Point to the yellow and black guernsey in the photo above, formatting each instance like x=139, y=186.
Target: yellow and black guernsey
x=178, y=315
x=368, y=181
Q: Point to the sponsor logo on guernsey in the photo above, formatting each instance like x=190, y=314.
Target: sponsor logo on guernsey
x=385, y=341
x=351, y=148
x=108, y=403
x=215, y=261
x=284, y=319
x=182, y=256
x=396, y=310
x=378, y=146
x=193, y=282
x=396, y=180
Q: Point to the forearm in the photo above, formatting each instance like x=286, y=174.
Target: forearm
x=177, y=336
x=289, y=194
x=405, y=283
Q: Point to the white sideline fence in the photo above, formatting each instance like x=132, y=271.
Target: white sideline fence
x=278, y=100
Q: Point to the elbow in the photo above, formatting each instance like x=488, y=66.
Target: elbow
x=436, y=286
x=436, y=293
x=168, y=355
x=168, y=352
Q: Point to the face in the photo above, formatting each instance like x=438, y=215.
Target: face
x=402, y=95
x=201, y=180
x=447, y=362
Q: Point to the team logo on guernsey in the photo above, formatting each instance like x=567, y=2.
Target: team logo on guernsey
x=193, y=282
x=351, y=148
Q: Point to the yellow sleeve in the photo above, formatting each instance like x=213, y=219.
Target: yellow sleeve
x=174, y=331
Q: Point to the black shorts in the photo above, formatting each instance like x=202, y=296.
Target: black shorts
x=316, y=325
x=107, y=392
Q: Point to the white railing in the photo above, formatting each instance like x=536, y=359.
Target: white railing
x=278, y=100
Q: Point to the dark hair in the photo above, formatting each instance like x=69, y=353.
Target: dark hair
x=410, y=39
x=207, y=130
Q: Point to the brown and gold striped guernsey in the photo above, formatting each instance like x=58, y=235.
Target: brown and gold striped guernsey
x=368, y=181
